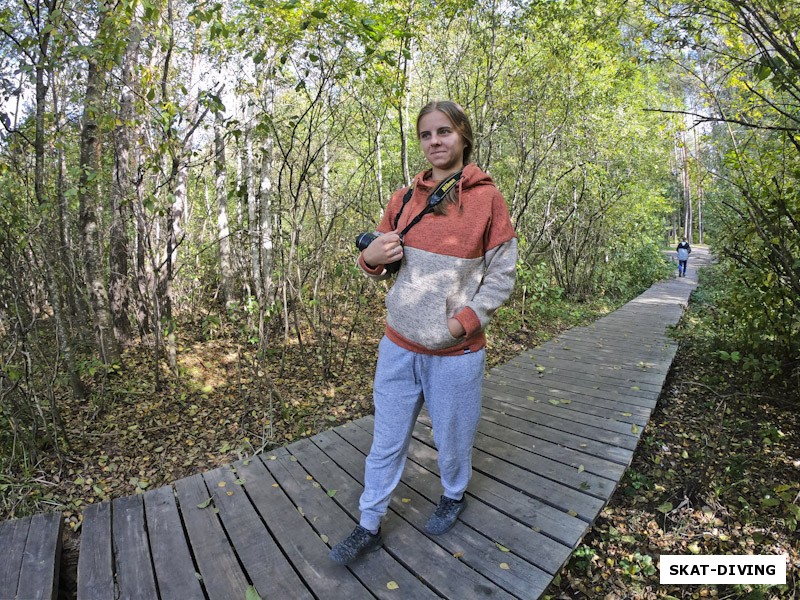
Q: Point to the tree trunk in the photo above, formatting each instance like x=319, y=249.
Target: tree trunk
x=223, y=231
x=119, y=283
x=87, y=199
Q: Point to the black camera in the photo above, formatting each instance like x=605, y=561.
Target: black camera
x=365, y=239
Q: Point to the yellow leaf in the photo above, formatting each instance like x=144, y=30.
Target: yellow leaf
x=406, y=500
x=635, y=428
x=572, y=513
x=501, y=547
x=581, y=468
x=458, y=555
x=221, y=484
x=309, y=477
x=272, y=457
x=274, y=485
x=392, y=585
x=229, y=493
x=504, y=566
x=324, y=538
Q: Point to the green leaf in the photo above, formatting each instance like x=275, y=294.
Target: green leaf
x=331, y=493
x=501, y=547
x=252, y=594
x=665, y=508
x=204, y=503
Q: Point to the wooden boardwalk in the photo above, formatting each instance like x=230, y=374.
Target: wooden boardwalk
x=559, y=427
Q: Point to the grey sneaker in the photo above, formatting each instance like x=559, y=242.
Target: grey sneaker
x=361, y=541
x=445, y=515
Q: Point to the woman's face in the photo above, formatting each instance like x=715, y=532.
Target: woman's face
x=442, y=144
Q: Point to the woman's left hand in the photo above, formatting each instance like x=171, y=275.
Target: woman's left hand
x=456, y=328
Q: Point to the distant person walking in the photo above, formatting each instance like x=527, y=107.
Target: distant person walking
x=684, y=250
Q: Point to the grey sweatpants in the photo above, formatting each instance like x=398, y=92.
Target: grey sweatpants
x=451, y=388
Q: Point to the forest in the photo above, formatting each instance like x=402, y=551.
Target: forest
x=182, y=181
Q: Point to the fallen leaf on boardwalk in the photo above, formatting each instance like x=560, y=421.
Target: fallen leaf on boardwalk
x=274, y=485
x=504, y=566
x=501, y=547
x=204, y=503
x=309, y=477
x=221, y=484
x=331, y=493
x=293, y=458
x=531, y=398
x=554, y=402
x=239, y=482
x=229, y=493
x=572, y=513
x=406, y=500
x=392, y=585
x=272, y=457
x=458, y=555
x=635, y=428
x=324, y=538
x=252, y=594
x=301, y=511
x=635, y=388
x=581, y=468
x=626, y=414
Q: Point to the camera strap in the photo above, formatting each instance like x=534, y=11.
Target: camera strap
x=436, y=196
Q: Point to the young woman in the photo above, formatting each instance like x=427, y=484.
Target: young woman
x=458, y=266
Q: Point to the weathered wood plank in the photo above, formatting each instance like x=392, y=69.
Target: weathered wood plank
x=96, y=556
x=38, y=578
x=470, y=545
x=175, y=572
x=510, y=400
x=481, y=526
x=303, y=546
x=331, y=520
x=572, y=440
x=13, y=535
x=222, y=575
x=264, y=563
x=429, y=562
x=132, y=563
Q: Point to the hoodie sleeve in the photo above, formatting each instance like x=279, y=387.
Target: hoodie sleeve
x=385, y=226
x=499, y=271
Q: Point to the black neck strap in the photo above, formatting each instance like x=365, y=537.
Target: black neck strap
x=436, y=196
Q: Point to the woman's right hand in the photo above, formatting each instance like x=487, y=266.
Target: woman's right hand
x=384, y=249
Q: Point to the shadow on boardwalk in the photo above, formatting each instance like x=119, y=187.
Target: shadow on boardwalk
x=560, y=424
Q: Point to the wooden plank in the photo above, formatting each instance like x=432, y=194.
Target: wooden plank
x=624, y=393
x=172, y=559
x=96, y=559
x=577, y=359
x=572, y=440
x=469, y=544
x=303, y=546
x=263, y=561
x=556, y=452
x=565, y=425
x=610, y=401
x=375, y=570
x=38, y=577
x=427, y=560
x=219, y=567
x=133, y=566
x=575, y=477
x=423, y=487
x=13, y=535
x=530, y=398
x=610, y=380
x=506, y=398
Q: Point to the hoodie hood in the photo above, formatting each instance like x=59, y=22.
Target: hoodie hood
x=471, y=176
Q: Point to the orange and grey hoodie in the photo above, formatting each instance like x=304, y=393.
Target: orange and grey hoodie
x=461, y=265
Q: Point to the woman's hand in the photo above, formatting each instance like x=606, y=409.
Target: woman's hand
x=456, y=328
x=384, y=249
